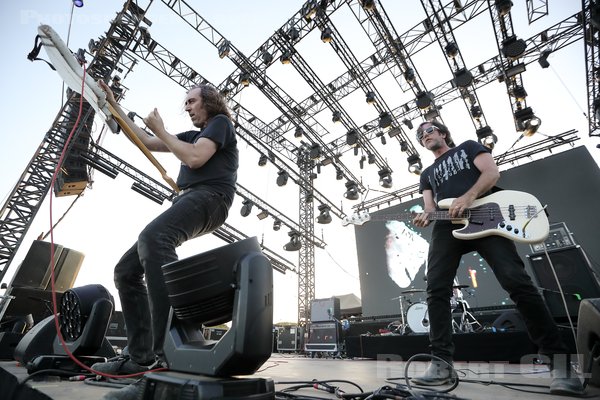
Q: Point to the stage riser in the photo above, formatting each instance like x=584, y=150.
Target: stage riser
x=511, y=347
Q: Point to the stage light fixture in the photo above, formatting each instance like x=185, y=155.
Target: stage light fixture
x=371, y=158
x=351, y=190
x=299, y=132
x=267, y=57
x=246, y=207
x=352, y=138
x=315, y=151
x=543, y=60
x=370, y=97
x=503, y=7
x=245, y=79
x=282, y=178
x=325, y=215
x=339, y=174
x=293, y=34
x=262, y=160
x=147, y=192
x=424, y=100
x=294, y=244
x=385, y=120
x=327, y=35
x=403, y=146
x=476, y=111
x=100, y=165
x=485, y=136
x=361, y=162
x=336, y=116
x=286, y=57
x=78, y=3
x=368, y=4
x=514, y=70
x=224, y=48
x=414, y=164
x=531, y=126
x=513, y=48
x=276, y=225
x=385, y=178
x=408, y=123
x=409, y=75
x=145, y=35
x=463, y=77
x=451, y=50
x=382, y=137
x=262, y=214
x=519, y=93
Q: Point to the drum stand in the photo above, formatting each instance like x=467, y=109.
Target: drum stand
x=402, y=328
x=467, y=320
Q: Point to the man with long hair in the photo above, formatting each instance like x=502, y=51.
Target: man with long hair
x=207, y=179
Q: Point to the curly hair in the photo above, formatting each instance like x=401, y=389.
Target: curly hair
x=441, y=127
x=213, y=101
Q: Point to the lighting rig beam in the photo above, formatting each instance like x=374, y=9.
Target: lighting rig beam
x=591, y=27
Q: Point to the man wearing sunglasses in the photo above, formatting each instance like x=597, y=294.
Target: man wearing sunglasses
x=467, y=172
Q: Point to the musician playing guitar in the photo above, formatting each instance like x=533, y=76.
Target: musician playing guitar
x=465, y=173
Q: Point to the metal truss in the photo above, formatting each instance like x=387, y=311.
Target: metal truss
x=306, y=254
x=591, y=26
x=536, y=9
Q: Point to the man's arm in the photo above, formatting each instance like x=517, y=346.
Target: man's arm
x=489, y=176
x=194, y=155
x=152, y=143
x=429, y=206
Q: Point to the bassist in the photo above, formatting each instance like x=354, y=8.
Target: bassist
x=467, y=172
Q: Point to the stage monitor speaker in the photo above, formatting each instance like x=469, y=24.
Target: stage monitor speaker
x=325, y=309
x=576, y=277
x=33, y=271
x=588, y=339
x=37, y=302
x=323, y=337
x=509, y=321
x=66, y=270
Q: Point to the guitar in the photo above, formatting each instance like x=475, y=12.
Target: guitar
x=518, y=216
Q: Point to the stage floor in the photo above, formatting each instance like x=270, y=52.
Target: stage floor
x=477, y=380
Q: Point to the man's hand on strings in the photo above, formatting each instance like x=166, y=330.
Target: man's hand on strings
x=155, y=123
x=421, y=220
x=461, y=204
x=110, y=96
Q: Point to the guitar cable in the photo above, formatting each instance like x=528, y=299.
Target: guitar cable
x=532, y=217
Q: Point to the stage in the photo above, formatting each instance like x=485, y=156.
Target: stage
x=478, y=380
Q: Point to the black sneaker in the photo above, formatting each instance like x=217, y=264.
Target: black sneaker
x=437, y=373
x=132, y=391
x=120, y=366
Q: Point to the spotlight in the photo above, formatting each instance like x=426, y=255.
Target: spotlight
x=451, y=50
x=463, y=77
x=78, y=3
x=385, y=178
x=368, y=4
x=513, y=48
x=276, y=225
x=224, y=49
x=403, y=146
x=424, y=99
x=352, y=138
x=324, y=216
x=503, y=7
x=267, y=57
x=370, y=98
x=262, y=160
x=414, y=164
x=246, y=207
x=351, y=191
x=245, y=79
x=409, y=75
x=476, y=111
x=299, y=132
x=262, y=214
x=294, y=244
x=293, y=34
x=326, y=35
x=339, y=174
x=408, y=123
x=486, y=137
x=531, y=126
x=544, y=59
x=282, y=178
x=336, y=116
x=286, y=57
x=315, y=151
x=519, y=93
x=385, y=120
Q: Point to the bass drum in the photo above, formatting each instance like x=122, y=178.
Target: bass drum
x=417, y=317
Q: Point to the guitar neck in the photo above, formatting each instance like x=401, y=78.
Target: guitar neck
x=431, y=216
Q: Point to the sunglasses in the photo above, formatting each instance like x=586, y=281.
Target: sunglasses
x=425, y=132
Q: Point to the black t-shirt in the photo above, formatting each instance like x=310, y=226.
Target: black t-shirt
x=453, y=173
x=220, y=171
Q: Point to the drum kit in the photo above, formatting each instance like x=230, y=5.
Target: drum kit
x=416, y=317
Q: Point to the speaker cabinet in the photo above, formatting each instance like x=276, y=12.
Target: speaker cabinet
x=33, y=272
x=325, y=309
x=588, y=339
x=323, y=337
x=290, y=338
x=574, y=273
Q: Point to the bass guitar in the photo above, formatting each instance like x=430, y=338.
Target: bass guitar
x=516, y=215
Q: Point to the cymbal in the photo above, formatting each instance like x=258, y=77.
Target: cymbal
x=413, y=291
x=460, y=286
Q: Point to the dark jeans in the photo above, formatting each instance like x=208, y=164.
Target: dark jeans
x=138, y=274
x=500, y=253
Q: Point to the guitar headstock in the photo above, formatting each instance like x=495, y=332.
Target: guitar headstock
x=358, y=218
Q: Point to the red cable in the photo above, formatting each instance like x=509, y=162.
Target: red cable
x=54, y=303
